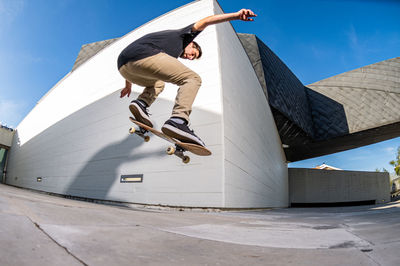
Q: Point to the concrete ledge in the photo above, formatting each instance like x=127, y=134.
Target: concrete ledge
x=314, y=186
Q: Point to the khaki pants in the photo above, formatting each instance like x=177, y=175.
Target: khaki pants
x=153, y=71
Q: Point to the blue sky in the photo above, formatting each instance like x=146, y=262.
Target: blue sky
x=40, y=40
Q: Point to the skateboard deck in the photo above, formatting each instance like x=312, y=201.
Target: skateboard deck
x=178, y=149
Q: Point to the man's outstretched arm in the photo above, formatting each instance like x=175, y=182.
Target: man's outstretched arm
x=243, y=14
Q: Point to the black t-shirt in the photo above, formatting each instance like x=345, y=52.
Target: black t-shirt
x=171, y=42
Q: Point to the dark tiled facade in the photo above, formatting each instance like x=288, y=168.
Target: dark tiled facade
x=350, y=110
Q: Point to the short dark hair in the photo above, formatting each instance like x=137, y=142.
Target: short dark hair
x=197, y=46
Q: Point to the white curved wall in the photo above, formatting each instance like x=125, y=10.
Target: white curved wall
x=76, y=137
x=256, y=173
x=99, y=76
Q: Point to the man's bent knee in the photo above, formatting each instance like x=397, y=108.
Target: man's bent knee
x=189, y=76
x=194, y=79
x=197, y=78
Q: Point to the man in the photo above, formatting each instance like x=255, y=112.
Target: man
x=152, y=60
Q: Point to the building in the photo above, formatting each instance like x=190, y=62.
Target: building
x=6, y=138
x=75, y=141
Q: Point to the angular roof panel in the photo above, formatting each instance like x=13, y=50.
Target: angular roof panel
x=346, y=111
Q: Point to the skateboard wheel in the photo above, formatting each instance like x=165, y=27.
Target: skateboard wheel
x=146, y=138
x=186, y=159
x=170, y=150
x=132, y=130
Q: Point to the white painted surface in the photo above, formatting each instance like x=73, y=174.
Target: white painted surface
x=99, y=76
x=255, y=165
x=76, y=139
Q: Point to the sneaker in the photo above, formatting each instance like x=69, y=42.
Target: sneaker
x=140, y=112
x=181, y=132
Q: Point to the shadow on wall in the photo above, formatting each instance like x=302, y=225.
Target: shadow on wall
x=85, y=154
x=82, y=154
x=102, y=170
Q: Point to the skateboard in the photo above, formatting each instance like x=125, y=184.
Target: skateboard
x=178, y=149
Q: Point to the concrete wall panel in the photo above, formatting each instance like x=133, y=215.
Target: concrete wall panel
x=327, y=186
x=254, y=159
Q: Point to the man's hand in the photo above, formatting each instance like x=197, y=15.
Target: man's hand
x=246, y=14
x=243, y=14
x=127, y=90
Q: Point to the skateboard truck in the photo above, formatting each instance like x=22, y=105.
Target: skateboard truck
x=179, y=152
x=141, y=132
x=171, y=150
x=179, y=149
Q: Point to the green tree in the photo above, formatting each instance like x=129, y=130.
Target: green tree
x=396, y=163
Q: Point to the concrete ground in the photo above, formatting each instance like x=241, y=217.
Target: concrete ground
x=39, y=229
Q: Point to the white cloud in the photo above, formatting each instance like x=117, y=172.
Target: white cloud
x=11, y=112
x=363, y=44
x=9, y=10
x=355, y=44
x=353, y=38
x=389, y=149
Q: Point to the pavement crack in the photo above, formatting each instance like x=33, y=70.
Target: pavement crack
x=371, y=258
x=58, y=244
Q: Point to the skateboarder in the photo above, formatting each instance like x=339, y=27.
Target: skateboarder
x=152, y=60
